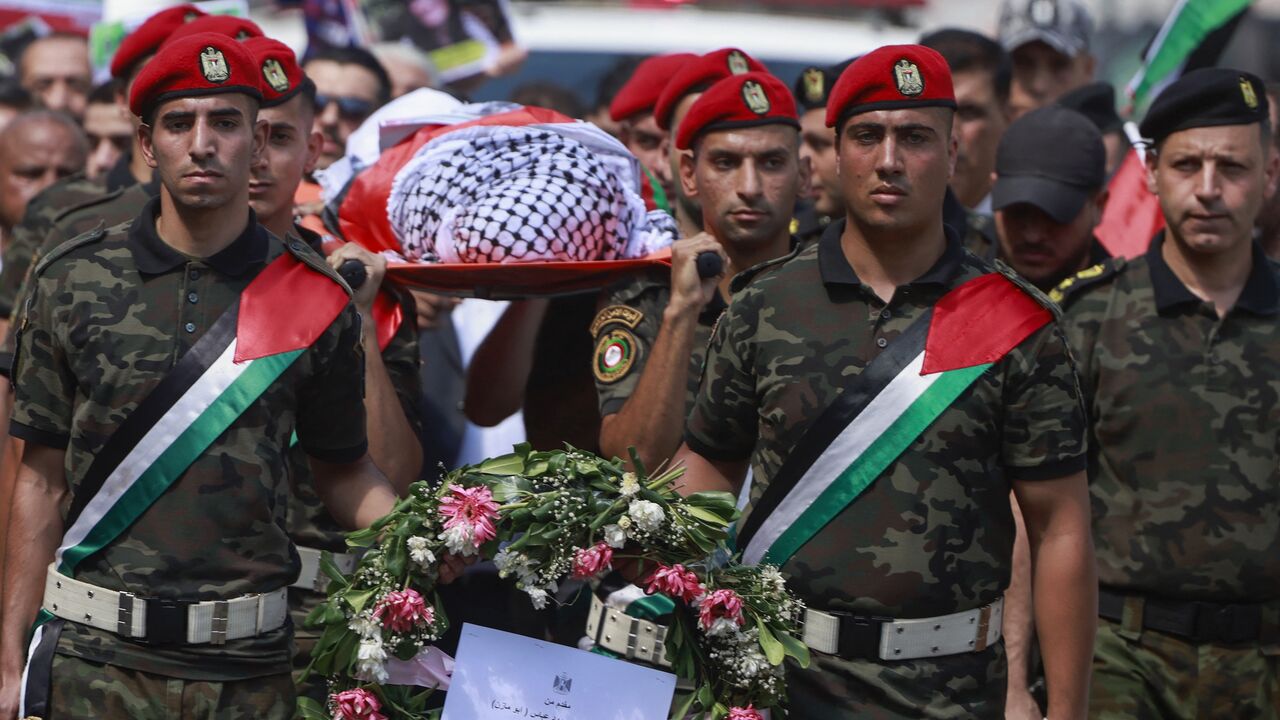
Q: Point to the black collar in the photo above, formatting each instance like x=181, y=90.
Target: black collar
x=119, y=176
x=1260, y=295
x=836, y=270
x=310, y=237
x=153, y=256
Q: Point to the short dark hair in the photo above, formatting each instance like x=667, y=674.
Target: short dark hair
x=13, y=95
x=104, y=94
x=965, y=50
x=55, y=35
x=548, y=95
x=356, y=56
x=613, y=80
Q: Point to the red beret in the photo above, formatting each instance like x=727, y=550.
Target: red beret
x=641, y=92
x=699, y=75
x=232, y=26
x=891, y=78
x=738, y=101
x=149, y=36
x=203, y=64
x=281, y=77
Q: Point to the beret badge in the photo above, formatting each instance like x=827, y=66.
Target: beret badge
x=738, y=63
x=275, y=76
x=754, y=96
x=1250, y=97
x=907, y=77
x=214, y=65
x=814, y=85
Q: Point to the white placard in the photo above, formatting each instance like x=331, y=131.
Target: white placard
x=501, y=676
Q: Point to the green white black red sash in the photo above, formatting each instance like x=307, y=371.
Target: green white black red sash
x=245, y=351
x=884, y=409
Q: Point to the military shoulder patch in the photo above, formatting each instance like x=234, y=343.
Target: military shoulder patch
x=621, y=314
x=303, y=252
x=85, y=238
x=1024, y=285
x=616, y=352
x=1072, y=286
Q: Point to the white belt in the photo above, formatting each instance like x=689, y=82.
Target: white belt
x=962, y=632
x=312, y=577
x=164, y=621
x=630, y=637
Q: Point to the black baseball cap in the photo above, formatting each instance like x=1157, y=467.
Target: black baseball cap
x=1096, y=101
x=1052, y=158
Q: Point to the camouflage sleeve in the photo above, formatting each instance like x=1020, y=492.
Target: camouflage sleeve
x=723, y=424
x=20, y=252
x=44, y=388
x=1044, y=425
x=623, y=333
x=331, y=416
x=404, y=362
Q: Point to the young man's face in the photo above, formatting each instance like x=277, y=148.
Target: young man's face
x=746, y=181
x=895, y=166
x=346, y=95
x=818, y=148
x=979, y=124
x=1211, y=182
x=291, y=151
x=1043, y=250
x=57, y=72
x=202, y=148
x=110, y=132
x=1041, y=75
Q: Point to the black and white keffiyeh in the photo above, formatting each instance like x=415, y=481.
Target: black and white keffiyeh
x=533, y=193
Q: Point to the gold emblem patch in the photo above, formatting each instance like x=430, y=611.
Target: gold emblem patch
x=628, y=316
x=615, y=354
x=274, y=75
x=738, y=63
x=1250, y=97
x=815, y=84
x=907, y=77
x=214, y=65
x=753, y=95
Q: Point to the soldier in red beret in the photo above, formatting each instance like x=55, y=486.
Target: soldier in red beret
x=888, y=389
x=157, y=420
x=632, y=109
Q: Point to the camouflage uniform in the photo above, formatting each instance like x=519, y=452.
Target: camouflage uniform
x=626, y=328
x=307, y=522
x=934, y=533
x=95, y=340
x=1184, y=481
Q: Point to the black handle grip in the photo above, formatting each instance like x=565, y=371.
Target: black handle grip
x=353, y=272
x=709, y=265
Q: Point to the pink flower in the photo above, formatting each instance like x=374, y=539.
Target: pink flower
x=588, y=562
x=357, y=704
x=745, y=713
x=402, y=610
x=676, y=581
x=721, y=603
x=473, y=506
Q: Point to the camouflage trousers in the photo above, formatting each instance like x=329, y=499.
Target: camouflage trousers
x=969, y=685
x=1150, y=675
x=82, y=689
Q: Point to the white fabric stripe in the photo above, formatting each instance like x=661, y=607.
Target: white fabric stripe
x=620, y=599
x=208, y=388
x=853, y=441
x=26, y=670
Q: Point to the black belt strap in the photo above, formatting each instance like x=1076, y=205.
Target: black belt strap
x=1194, y=620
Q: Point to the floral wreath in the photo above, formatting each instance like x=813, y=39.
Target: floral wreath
x=542, y=517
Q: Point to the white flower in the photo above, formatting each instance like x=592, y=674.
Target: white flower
x=630, y=484
x=538, y=597
x=370, y=660
x=419, y=551
x=615, y=536
x=723, y=627
x=460, y=539
x=624, y=522
x=648, y=516
x=772, y=578
x=365, y=627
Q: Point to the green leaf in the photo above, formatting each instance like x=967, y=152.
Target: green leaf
x=794, y=647
x=682, y=706
x=706, y=697
x=359, y=598
x=308, y=709
x=706, y=515
x=637, y=463
x=513, y=464
x=331, y=570
x=773, y=650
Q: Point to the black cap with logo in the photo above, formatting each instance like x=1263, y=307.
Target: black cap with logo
x=1052, y=158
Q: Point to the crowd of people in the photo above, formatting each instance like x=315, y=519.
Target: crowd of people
x=1008, y=474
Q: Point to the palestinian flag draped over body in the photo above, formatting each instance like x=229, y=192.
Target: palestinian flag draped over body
x=1193, y=36
x=509, y=203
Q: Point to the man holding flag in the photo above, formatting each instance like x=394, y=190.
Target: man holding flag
x=157, y=386
x=888, y=389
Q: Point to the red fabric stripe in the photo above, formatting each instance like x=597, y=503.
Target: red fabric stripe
x=980, y=322
x=501, y=281
x=387, y=316
x=285, y=308
x=1132, y=215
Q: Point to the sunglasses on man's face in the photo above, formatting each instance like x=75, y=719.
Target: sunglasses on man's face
x=350, y=108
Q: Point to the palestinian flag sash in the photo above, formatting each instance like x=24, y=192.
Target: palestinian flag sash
x=885, y=408
x=245, y=351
